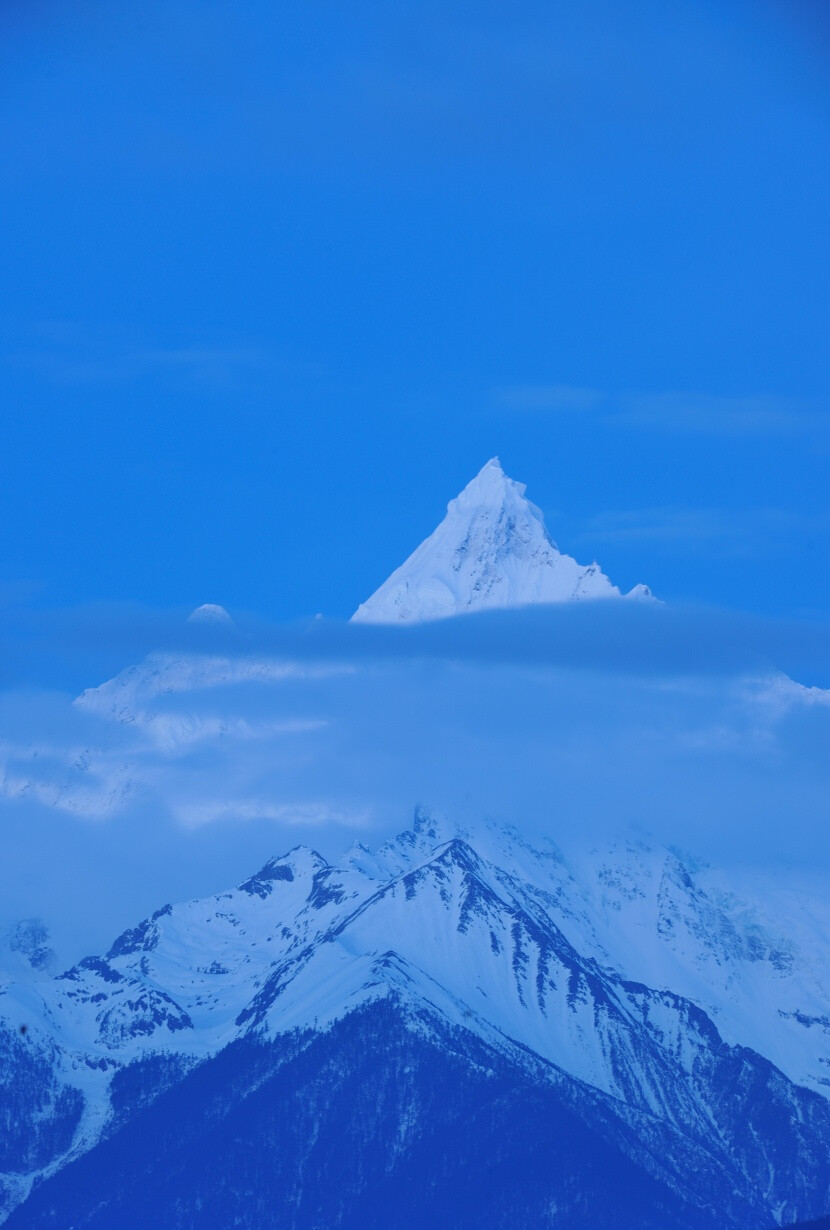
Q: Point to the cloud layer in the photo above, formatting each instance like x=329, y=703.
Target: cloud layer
x=189, y=769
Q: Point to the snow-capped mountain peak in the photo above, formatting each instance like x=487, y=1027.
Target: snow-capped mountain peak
x=491, y=551
x=210, y=613
x=491, y=487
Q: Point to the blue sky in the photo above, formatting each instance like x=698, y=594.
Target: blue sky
x=278, y=279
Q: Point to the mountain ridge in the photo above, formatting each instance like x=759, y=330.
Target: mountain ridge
x=455, y=933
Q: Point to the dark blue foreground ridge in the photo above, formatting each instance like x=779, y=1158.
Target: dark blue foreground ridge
x=368, y=1125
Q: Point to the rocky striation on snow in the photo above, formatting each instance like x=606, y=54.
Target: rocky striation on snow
x=445, y=997
x=491, y=551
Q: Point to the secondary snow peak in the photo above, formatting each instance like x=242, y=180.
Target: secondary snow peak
x=210, y=613
x=491, y=551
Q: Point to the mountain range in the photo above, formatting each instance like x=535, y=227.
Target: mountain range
x=340, y=1045
x=461, y=1026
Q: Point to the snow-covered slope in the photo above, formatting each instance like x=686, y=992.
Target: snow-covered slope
x=491, y=551
x=133, y=695
x=212, y=614
x=636, y=975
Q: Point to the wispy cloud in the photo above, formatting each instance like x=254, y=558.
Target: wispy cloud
x=577, y=718
x=677, y=411
x=549, y=397
x=201, y=365
x=15, y=593
x=303, y=814
x=724, y=531
x=710, y=414
x=75, y=353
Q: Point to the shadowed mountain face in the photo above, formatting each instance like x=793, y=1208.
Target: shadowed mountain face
x=438, y=1030
x=379, y=1122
